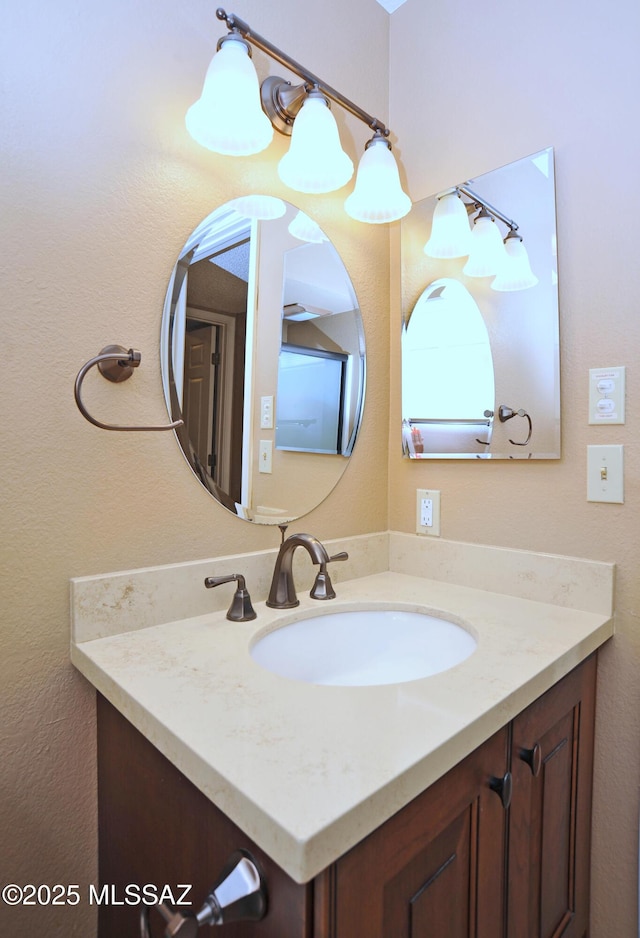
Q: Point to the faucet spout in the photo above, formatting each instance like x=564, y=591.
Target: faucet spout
x=282, y=594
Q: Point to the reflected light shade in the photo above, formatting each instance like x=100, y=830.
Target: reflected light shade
x=228, y=117
x=515, y=273
x=378, y=196
x=450, y=231
x=306, y=229
x=315, y=161
x=262, y=207
x=487, y=250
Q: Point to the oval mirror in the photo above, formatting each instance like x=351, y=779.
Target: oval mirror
x=263, y=357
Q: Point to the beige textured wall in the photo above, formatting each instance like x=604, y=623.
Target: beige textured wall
x=472, y=88
x=100, y=187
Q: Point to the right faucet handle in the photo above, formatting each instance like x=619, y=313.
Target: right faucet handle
x=323, y=587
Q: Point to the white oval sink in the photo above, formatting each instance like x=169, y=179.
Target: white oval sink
x=364, y=647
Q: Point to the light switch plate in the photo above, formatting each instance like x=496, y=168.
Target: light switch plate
x=265, y=456
x=605, y=474
x=606, y=394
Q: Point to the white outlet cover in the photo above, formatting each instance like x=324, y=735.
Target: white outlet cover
x=432, y=529
x=607, y=395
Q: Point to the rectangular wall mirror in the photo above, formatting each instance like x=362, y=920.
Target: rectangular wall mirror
x=480, y=332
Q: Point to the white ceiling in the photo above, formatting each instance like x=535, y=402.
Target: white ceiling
x=391, y=5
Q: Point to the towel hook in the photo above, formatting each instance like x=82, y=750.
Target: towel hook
x=116, y=363
x=506, y=413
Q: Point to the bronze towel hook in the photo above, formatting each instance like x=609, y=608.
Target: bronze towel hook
x=116, y=363
x=506, y=413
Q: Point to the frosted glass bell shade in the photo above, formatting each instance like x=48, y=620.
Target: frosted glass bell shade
x=515, y=272
x=306, y=229
x=378, y=196
x=262, y=207
x=315, y=161
x=487, y=250
x=228, y=117
x=450, y=231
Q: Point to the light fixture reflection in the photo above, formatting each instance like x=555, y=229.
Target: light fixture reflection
x=315, y=161
x=261, y=207
x=378, y=196
x=487, y=250
x=488, y=255
x=450, y=231
x=228, y=118
x=306, y=229
x=515, y=272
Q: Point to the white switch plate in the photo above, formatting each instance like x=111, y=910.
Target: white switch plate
x=605, y=474
x=428, y=509
x=266, y=450
x=606, y=394
x=266, y=412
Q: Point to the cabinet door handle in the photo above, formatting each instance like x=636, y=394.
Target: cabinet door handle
x=503, y=787
x=533, y=758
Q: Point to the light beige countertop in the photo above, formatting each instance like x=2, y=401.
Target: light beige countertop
x=305, y=770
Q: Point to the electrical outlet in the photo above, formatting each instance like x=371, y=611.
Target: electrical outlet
x=606, y=395
x=266, y=412
x=428, y=512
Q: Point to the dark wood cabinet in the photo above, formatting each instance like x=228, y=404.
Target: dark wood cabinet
x=436, y=867
x=497, y=848
x=550, y=815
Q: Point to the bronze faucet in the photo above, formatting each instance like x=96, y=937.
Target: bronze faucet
x=282, y=594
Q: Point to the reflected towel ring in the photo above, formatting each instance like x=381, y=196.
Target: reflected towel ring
x=116, y=363
x=506, y=413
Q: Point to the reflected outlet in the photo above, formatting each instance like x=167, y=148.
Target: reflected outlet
x=428, y=512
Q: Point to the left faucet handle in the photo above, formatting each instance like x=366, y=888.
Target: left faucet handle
x=240, y=609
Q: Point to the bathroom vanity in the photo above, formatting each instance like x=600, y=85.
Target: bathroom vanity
x=461, y=859
x=461, y=800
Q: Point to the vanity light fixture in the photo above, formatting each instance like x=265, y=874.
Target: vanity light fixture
x=227, y=118
x=315, y=161
x=378, y=196
x=488, y=254
x=236, y=116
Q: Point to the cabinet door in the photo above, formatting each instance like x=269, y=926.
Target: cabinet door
x=435, y=869
x=155, y=827
x=550, y=817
